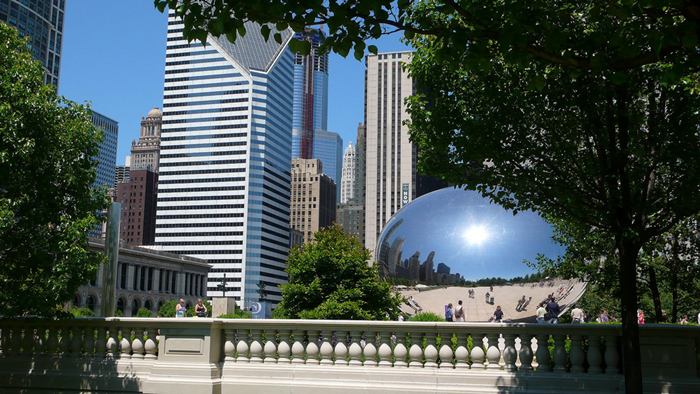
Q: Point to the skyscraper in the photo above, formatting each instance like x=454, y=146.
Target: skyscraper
x=223, y=189
x=146, y=150
x=138, y=199
x=351, y=214
x=391, y=179
x=347, y=182
x=42, y=21
x=121, y=173
x=328, y=147
x=310, y=111
x=313, y=197
x=107, y=156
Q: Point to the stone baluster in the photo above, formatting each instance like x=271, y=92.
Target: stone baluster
x=230, y=345
x=150, y=344
x=326, y=348
x=577, y=356
x=4, y=341
x=509, y=354
x=355, y=350
x=612, y=358
x=461, y=352
x=256, y=347
x=100, y=342
x=111, y=343
x=341, y=349
x=446, y=354
x=51, y=347
x=270, y=348
x=28, y=340
x=370, y=350
x=400, y=351
x=559, y=353
x=284, y=350
x=242, y=345
x=40, y=340
x=525, y=354
x=64, y=343
x=76, y=341
x=543, y=353
x=594, y=357
x=125, y=343
x=384, y=350
x=312, y=347
x=430, y=353
x=493, y=354
x=477, y=354
x=137, y=347
x=90, y=337
x=298, y=347
x=415, y=352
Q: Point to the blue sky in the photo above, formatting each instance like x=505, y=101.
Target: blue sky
x=114, y=56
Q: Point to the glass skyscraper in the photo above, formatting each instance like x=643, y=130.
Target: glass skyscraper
x=107, y=157
x=42, y=22
x=310, y=109
x=224, y=172
x=328, y=147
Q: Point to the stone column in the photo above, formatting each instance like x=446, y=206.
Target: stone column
x=156, y=279
x=130, y=277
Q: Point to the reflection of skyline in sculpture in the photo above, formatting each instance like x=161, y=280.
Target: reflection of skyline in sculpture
x=451, y=235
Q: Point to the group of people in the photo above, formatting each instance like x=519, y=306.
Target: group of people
x=455, y=314
x=522, y=304
x=200, y=310
x=548, y=311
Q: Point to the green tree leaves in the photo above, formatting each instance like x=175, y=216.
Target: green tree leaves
x=330, y=278
x=47, y=146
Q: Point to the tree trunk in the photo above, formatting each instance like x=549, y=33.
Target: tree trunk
x=655, y=296
x=631, y=363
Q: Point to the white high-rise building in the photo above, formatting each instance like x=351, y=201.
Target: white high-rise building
x=347, y=184
x=390, y=172
x=224, y=183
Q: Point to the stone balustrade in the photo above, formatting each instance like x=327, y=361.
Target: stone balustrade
x=217, y=355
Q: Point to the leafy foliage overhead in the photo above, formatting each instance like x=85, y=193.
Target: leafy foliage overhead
x=47, y=206
x=329, y=278
x=581, y=35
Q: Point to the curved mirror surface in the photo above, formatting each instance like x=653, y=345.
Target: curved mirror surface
x=453, y=234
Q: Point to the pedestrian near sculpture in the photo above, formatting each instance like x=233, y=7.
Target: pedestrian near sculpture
x=459, y=312
x=180, y=308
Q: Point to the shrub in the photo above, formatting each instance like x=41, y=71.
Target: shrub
x=238, y=314
x=143, y=312
x=81, y=312
x=167, y=309
x=426, y=316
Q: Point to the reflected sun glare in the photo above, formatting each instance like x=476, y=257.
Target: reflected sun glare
x=476, y=234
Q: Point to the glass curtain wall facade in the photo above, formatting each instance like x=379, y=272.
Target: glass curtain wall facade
x=310, y=110
x=42, y=22
x=328, y=147
x=224, y=183
x=107, y=156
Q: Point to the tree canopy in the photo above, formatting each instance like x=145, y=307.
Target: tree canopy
x=584, y=111
x=329, y=278
x=47, y=206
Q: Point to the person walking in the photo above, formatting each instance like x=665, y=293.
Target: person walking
x=553, y=310
x=449, y=312
x=684, y=320
x=180, y=308
x=603, y=317
x=459, y=312
x=541, y=312
x=497, y=314
x=577, y=315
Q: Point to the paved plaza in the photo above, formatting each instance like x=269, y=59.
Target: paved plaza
x=434, y=300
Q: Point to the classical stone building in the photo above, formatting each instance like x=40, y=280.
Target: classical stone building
x=146, y=150
x=313, y=197
x=147, y=278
